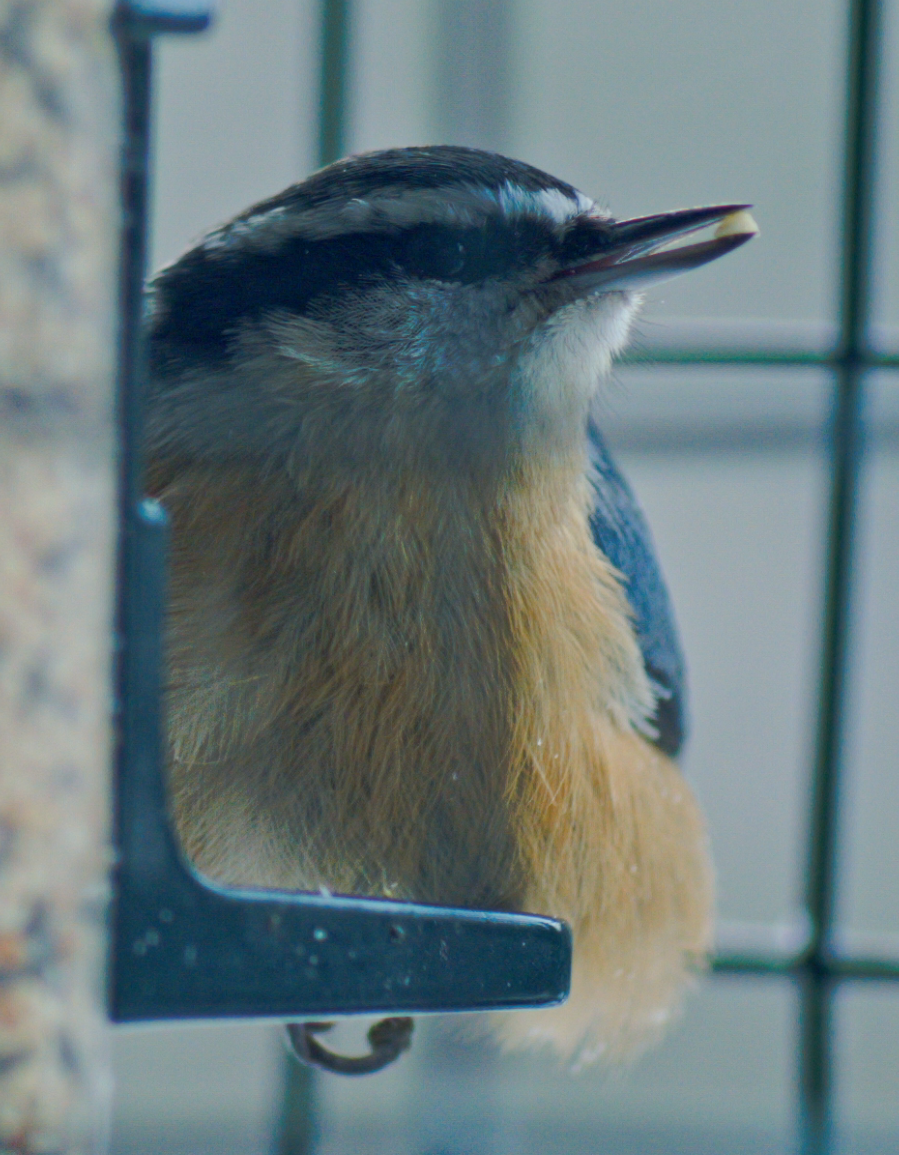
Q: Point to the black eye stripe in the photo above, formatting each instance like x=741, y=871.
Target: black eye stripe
x=209, y=292
x=469, y=255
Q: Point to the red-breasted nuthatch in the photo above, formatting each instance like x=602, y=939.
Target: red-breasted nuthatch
x=419, y=643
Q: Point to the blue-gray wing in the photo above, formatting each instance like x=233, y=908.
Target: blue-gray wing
x=621, y=532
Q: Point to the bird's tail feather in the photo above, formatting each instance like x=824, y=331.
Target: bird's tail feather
x=636, y=887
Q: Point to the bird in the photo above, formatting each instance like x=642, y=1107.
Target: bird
x=419, y=643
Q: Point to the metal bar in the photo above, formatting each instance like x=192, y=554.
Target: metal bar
x=754, y=964
x=868, y=359
x=296, y=1131
x=151, y=17
x=136, y=65
x=134, y=23
x=135, y=58
x=333, y=80
x=842, y=969
x=816, y=982
x=874, y=970
x=298, y=1126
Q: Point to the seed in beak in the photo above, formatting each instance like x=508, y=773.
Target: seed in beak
x=737, y=224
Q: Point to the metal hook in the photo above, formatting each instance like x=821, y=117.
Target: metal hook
x=388, y=1039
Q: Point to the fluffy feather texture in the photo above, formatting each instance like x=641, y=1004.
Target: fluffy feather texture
x=399, y=663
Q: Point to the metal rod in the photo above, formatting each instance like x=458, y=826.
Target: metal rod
x=868, y=359
x=333, y=80
x=135, y=56
x=816, y=982
x=136, y=72
x=296, y=1132
x=298, y=1126
x=875, y=970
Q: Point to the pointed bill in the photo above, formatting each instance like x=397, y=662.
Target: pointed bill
x=642, y=251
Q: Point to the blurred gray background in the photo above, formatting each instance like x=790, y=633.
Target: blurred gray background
x=648, y=105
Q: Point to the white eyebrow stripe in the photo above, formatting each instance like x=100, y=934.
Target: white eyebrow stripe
x=558, y=206
x=395, y=207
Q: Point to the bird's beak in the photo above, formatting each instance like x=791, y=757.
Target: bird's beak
x=635, y=253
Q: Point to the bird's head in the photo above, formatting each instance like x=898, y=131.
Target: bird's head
x=442, y=307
